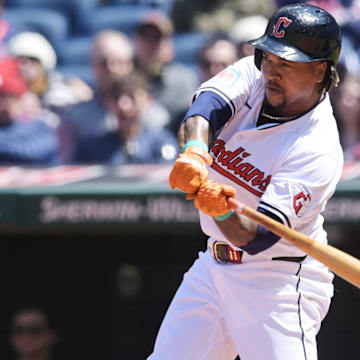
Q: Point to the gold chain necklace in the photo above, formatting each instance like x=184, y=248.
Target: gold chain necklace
x=277, y=118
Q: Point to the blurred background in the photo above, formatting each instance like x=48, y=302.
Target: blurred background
x=93, y=242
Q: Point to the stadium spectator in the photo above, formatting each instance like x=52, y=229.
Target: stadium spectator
x=172, y=84
x=31, y=335
x=21, y=142
x=217, y=54
x=245, y=29
x=216, y=15
x=112, y=55
x=37, y=60
x=346, y=101
x=127, y=99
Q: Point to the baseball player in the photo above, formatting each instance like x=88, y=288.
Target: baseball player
x=277, y=149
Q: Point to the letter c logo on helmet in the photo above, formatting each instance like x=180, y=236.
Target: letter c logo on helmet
x=282, y=21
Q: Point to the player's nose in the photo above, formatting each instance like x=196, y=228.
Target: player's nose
x=271, y=72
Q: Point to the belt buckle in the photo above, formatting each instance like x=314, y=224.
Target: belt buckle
x=224, y=253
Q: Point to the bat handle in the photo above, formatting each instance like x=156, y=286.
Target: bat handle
x=235, y=205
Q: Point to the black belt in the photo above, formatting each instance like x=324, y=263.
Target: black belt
x=225, y=254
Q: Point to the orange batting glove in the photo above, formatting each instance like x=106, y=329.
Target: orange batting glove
x=211, y=198
x=189, y=170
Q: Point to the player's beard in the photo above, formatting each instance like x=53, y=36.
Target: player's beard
x=276, y=99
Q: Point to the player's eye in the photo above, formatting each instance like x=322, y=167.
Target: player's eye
x=266, y=58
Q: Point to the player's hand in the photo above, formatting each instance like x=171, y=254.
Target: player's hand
x=211, y=198
x=189, y=170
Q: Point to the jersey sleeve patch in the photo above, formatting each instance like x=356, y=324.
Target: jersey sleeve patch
x=300, y=199
x=226, y=78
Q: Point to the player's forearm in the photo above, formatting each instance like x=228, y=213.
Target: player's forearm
x=194, y=128
x=238, y=229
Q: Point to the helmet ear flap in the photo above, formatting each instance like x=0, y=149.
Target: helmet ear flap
x=258, y=58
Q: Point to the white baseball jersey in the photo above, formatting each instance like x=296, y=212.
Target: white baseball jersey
x=263, y=308
x=289, y=169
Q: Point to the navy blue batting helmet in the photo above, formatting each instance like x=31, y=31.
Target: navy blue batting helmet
x=300, y=33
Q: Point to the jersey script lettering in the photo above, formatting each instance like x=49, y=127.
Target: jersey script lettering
x=237, y=169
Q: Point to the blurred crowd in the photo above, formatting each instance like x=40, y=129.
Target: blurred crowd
x=124, y=102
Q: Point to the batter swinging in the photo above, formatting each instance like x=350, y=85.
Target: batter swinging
x=251, y=293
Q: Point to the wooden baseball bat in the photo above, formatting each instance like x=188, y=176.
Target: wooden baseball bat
x=339, y=262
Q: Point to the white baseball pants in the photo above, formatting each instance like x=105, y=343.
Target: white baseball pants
x=261, y=310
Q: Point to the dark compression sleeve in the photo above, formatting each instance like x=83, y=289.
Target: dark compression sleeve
x=212, y=107
x=264, y=238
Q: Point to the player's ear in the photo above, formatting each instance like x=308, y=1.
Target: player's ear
x=320, y=71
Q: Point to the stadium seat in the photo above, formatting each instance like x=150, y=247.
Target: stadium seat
x=76, y=51
x=165, y=5
x=50, y=23
x=74, y=10
x=122, y=18
x=83, y=72
x=187, y=46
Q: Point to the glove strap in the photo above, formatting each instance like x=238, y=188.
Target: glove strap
x=225, y=216
x=199, y=148
x=197, y=143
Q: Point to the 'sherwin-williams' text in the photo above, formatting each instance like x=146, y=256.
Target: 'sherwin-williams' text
x=235, y=167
